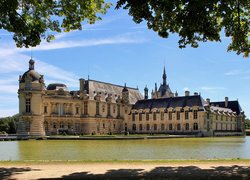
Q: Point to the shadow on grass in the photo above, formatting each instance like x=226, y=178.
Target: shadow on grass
x=6, y=173
x=183, y=173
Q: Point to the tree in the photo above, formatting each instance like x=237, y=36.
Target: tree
x=195, y=20
x=8, y=124
x=33, y=20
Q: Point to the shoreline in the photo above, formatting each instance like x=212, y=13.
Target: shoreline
x=176, y=169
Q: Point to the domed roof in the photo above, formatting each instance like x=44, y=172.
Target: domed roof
x=57, y=86
x=32, y=74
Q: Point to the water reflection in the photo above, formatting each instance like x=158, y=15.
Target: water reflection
x=189, y=148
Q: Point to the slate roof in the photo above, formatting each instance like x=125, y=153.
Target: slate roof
x=56, y=86
x=233, y=105
x=163, y=89
x=35, y=76
x=113, y=89
x=181, y=101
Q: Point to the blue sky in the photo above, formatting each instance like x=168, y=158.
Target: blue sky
x=118, y=51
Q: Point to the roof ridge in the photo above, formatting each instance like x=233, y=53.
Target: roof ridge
x=111, y=84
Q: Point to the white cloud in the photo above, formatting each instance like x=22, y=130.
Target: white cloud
x=237, y=72
x=185, y=89
x=212, y=89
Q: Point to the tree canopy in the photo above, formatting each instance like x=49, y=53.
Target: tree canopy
x=33, y=20
x=195, y=20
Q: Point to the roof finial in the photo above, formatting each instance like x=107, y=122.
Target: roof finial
x=31, y=64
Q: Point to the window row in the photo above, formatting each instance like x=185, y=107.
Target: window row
x=162, y=115
x=163, y=127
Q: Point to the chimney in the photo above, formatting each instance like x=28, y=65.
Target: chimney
x=81, y=84
x=187, y=93
x=208, y=100
x=226, y=102
x=196, y=94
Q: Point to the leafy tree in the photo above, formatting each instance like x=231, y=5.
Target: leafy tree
x=247, y=122
x=8, y=124
x=33, y=20
x=195, y=20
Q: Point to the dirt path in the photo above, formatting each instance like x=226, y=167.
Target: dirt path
x=125, y=170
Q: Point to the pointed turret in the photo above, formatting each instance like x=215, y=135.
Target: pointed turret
x=146, y=92
x=164, y=77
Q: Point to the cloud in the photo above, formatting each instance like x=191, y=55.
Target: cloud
x=185, y=89
x=237, y=72
x=212, y=89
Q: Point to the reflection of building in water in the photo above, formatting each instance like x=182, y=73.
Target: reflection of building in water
x=101, y=108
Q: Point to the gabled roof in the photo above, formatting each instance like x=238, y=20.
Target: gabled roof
x=233, y=105
x=181, y=101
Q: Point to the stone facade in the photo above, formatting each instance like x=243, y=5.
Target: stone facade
x=104, y=108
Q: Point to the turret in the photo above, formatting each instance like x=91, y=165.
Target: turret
x=125, y=95
x=146, y=92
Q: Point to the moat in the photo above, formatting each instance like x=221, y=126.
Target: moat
x=98, y=150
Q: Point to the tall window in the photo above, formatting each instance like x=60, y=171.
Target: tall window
x=169, y=115
x=60, y=109
x=118, y=110
x=186, y=115
x=85, y=108
x=114, y=109
x=170, y=127
x=108, y=113
x=97, y=108
x=77, y=110
x=134, y=127
x=207, y=115
x=216, y=117
x=155, y=127
x=140, y=116
x=140, y=127
x=148, y=127
x=133, y=117
x=178, y=127
x=195, y=126
x=187, y=126
x=178, y=115
x=27, y=110
x=45, y=109
x=162, y=127
x=162, y=116
x=221, y=118
x=147, y=116
x=154, y=115
x=195, y=114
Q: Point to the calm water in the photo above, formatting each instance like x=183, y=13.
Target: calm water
x=190, y=148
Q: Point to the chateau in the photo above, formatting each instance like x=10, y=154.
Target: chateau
x=104, y=108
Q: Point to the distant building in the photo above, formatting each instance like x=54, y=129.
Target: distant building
x=102, y=108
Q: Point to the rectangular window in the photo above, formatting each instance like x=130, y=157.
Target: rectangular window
x=148, y=127
x=97, y=108
x=77, y=110
x=195, y=114
x=45, y=109
x=162, y=127
x=155, y=127
x=114, y=109
x=109, y=111
x=187, y=126
x=221, y=118
x=195, y=126
x=178, y=115
x=162, y=116
x=207, y=115
x=133, y=117
x=134, y=127
x=147, y=116
x=140, y=127
x=118, y=110
x=178, y=127
x=154, y=116
x=27, y=106
x=170, y=127
x=85, y=108
x=186, y=115
x=169, y=115
x=216, y=117
x=140, y=117
x=60, y=109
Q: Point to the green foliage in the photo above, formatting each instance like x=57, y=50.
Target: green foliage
x=33, y=20
x=247, y=123
x=195, y=20
x=8, y=124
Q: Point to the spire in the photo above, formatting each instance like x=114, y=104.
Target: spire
x=31, y=64
x=155, y=87
x=146, y=92
x=164, y=77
